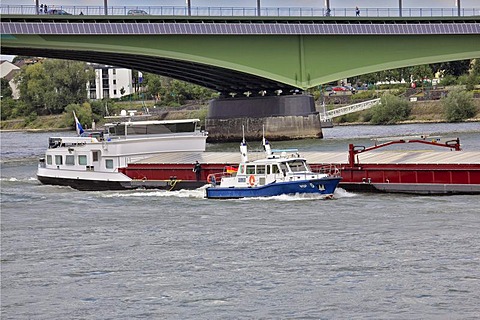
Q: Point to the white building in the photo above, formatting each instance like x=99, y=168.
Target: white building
x=8, y=71
x=110, y=82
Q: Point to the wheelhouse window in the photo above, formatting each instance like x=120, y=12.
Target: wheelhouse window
x=95, y=156
x=250, y=169
x=260, y=169
x=58, y=160
x=49, y=159
x=109, y=163
x=297, y=166
x=82, y=160
x=70, y=160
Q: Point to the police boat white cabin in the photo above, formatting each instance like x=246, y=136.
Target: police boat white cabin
x=287, y=173
x=92, y=160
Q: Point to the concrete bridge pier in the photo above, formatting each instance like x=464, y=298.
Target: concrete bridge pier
x=284, y=118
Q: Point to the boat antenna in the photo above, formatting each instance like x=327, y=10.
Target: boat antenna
x=243, y=146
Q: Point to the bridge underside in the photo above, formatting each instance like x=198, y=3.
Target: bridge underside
x=216, y=78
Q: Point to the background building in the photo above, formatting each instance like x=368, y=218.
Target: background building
x=110, y=82
x=8, y=71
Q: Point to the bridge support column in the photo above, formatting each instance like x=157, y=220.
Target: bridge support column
x=284, y=118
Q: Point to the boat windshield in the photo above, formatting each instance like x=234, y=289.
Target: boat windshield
x=298, y=165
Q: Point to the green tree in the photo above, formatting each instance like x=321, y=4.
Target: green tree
x=421, y=72
x=83, y=112
x=390, y=110
x=33, y=83
x=475, y=67
x=48, y=86
x=473, y=78
x=453, y=68
x=6, y=90
x=458, y=106
x=154, y=86
x=8, y=108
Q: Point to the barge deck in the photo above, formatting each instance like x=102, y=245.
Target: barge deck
x=416, y=172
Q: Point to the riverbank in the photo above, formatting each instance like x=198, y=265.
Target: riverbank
x=422, y=112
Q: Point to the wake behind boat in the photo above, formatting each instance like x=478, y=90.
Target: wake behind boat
x=286, y=173
x=92, y=160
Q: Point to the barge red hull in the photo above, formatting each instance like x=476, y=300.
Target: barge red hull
x=427, y=178
x=419, y=172
x=413, y=178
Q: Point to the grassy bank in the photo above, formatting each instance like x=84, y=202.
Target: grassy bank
x=422, y=111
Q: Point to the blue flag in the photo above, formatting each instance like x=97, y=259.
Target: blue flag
x=78, y=125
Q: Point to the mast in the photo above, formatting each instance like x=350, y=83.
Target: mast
x=266, y=144
x=243, y=147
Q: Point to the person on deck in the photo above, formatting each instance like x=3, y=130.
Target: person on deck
x=198, y=170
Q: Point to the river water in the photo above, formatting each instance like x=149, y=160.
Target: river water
x=67, y=254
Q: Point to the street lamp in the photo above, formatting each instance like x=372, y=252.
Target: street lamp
x=106, y=6
x=189, y=7
x=327, y=5
x=258, y=8
x=400, y=7
x=457, y=3
x=36, y=7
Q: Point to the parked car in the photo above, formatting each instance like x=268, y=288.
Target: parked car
x=352, y=89
x=58, y=11
x=137, y=12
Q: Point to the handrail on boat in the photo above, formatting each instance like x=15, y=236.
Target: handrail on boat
x=331, y=169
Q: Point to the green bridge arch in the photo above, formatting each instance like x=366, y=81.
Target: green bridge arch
x=297, y=60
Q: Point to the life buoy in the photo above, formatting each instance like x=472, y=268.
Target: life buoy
x=211, y=178
x=251, y=180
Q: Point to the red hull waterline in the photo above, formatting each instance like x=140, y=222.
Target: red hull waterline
x=439, y=173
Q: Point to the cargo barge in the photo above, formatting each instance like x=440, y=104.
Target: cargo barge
x=362, y=169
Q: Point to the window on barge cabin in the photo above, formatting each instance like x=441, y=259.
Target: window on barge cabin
x=58, y=160
x=260, y=169
x=70, y=160
x=162, y=128
x=119, y=130
x=82, y=160
x=95, y=156
x=49, y=159
x=109, y=163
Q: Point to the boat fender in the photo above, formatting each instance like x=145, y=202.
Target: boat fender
x=211, y=178
x=251, y=180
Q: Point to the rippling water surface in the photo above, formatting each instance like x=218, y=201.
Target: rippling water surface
x=175, y=255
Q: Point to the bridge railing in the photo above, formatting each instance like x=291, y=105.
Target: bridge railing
x=247, y=11
x=329, y=115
